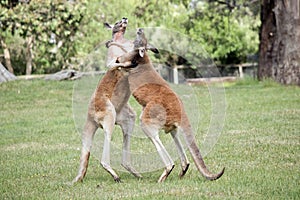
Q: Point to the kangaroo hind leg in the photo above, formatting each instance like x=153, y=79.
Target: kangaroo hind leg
x=108, y=124
x=89, y=130
x=153, y=133
x=126, y=120
x=183, y=158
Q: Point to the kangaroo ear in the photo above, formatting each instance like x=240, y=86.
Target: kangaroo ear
x=152, y=48
x=107, y=25
x=142, y=52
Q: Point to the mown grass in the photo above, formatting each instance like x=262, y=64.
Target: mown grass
x=259, y=146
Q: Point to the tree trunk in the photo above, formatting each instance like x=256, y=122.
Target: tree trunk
x=29, y=56
x=279, y=56
x=6, y=56
x=5, y=75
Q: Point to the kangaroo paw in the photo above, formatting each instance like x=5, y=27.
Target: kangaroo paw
x=165, y=174
x=77, y=179
x=117, y=180
x=184, y=170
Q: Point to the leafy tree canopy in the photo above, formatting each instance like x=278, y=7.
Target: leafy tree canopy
x=65, y=32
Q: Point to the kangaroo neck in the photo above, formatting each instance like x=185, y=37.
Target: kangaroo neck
x=144, y=74
x=118, y=37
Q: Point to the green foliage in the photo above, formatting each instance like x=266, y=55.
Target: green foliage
x=228, y=35
x=41, y=19
x=17, y=51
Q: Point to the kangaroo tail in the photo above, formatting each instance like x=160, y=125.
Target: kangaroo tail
x=196, y=155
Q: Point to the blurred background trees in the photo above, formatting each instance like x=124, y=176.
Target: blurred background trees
x=44, y=36
x=39, y=35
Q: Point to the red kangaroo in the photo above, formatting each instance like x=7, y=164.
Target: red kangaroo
x=162, y=109
x=109, y=106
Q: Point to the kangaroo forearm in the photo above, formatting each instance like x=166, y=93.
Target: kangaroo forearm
x=110, y=43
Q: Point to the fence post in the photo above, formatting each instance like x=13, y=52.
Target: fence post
x=175, y=75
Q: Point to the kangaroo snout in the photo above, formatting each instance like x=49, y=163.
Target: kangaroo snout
x=139, y=31
x=124, y=20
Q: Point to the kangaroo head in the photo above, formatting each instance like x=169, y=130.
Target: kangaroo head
x=138, y=55
x=141, y=43
x=118, y=27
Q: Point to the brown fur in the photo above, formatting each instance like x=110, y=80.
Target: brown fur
x=162, y=109
x=109, y=87
x=109, y=106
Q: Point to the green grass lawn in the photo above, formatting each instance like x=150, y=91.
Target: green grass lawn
x=259, y=146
